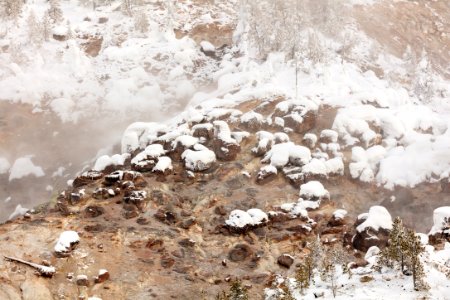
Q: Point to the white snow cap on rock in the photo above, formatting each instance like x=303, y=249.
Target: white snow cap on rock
x=377, y=218
x=105, y=160
x=152, y=151
x=239, y=218
x=207, y=46
x=284, y=153
x=139, y=134
x=199, y=159
x=66, y=241
x=164, y=163
x=313, y=189
x=439, y=216
x=339, y=214
x=222, y=132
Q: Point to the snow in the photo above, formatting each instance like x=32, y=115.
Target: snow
x=222, y=132
x=330, y=135
x=139, y=134
x=252, y=217
x=377, y=218
x=198, y=159
x=105, y=160
x=4, y=165
x=281, y=154
x=164, y=164
x=252, y=116
x=23, y=167
x=207, y=46
x=186, y=141
x=19, y=211
x=439, y=216
x=339, y=214
x=66, y=240
x=313, y=189
x=310, y=137
x=152, y=151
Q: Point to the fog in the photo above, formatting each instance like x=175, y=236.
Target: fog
x=55, y=145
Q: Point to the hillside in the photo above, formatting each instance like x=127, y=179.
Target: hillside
x=169, y=149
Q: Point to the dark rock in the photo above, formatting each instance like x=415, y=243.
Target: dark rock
x=225, y=151
x=82, y=280
x=130, y=214
x=265, y=175
x=166, y=216
x=187, y=223
x=93, y=211
x=86, y=178
x=240, y=252
x=285, y=260
x=137, y=198
x=102, y=20
x=187, y=243
x=369, y=237
x=142, y=221
x=220, y=210
x=146, y=165
x=167, y=262
x=155, y=244
x=102, y=276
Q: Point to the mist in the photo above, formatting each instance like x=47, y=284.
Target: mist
x=61, y=149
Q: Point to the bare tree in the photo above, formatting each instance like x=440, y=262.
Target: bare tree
x=11, y=8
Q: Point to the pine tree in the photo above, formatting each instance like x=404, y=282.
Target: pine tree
x=34, y=29
x=141, y=22
x=11, y=8
x=333, y=256
x=237, y=292
x=127, y=7
x=55, y=12
x=69, y=31
x=414, y=250
x=302, y=276
x=46, y=27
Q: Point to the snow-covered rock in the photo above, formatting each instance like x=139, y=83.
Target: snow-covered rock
x=105, y=161
x=198, y=159
x=313, y=190
x=66, y=243
x=377, y=218
x=240, y=219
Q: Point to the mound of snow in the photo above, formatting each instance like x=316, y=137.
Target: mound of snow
x=66, y=242
x=313, y=190
x=163, y=165
x=252, y=217
x=198, y=159
x=441, y=219
x=140, y=134
x=105, y=160
x=284, y=153
x=377, y=218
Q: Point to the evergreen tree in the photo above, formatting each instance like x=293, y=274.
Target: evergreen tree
x=46, y=27
x=237, y=292
x=55, y=12
x=404, y=250
x=302, y=276
x=11, y=8
x=141, y=22
x=34, y=29
x=414, y=250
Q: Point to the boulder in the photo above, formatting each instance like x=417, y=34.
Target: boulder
x=285, y=260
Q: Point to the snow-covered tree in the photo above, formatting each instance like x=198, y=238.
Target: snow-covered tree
x=55, y=12
x=46, y=27
x=423, y=81
x=69, y=31
x=34, y=29
x=141, y=22
x=11, y=8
